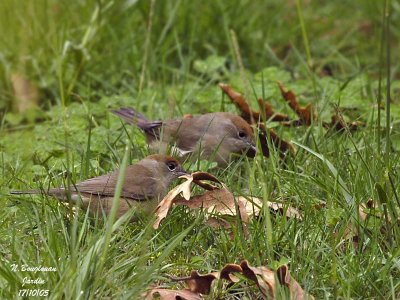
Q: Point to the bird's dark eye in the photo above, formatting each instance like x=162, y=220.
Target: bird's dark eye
x=171, y=166
x=242, y=134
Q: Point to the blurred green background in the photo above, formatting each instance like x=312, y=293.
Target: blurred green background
x=87, y=49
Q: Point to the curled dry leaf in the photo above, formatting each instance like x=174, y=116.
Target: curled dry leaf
x=184, y=189
x=296, y=292
x=217, y=201
x=198, y=283
x=253, y=206
x=166, y=203
x=237, y=98
x=248, y=114
x=306, y=114
x=220, y=202
x=198, y=178
x=290, y=212
x=270, y=112
x=226, y=272
x=263, y=277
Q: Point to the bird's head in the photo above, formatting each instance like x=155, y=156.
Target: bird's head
x=241, y=136
x=167, y=166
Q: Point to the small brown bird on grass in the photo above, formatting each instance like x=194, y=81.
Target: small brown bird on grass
x=146, y=183
x=215, y=136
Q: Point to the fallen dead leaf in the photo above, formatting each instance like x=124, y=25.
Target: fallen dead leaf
x=185, y=189
x=306, y=114
x=228, y=269
x=198, y=178
x=270, y=112
x=247, y=113
x=165, y=205
x=217, y=202
x=264, y=278
x=198, y=283
x=296, y=292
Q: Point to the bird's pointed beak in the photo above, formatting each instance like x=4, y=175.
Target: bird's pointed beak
x=251, y=150
x=182, y=172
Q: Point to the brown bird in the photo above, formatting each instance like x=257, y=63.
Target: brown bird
x=146, y=183
x=215, y=136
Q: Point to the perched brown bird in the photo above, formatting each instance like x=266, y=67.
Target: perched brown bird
x=146, y=183
x=215, y=136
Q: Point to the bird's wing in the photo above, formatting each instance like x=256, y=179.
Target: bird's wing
x=137, y=185
x=184, y=133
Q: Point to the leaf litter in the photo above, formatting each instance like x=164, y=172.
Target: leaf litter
x=267, y=281
x=216, y=201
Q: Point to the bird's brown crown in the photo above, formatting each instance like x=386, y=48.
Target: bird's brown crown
x=241, y=124
x=163, y=158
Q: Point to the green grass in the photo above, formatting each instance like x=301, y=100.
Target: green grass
x=86, y=58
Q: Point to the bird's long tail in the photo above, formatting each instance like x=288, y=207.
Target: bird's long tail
x=59, y=193
x=27, y=192
x=133, y=117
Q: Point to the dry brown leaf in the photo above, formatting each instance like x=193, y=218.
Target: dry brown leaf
x=253, y=206
x=296, y=292
x=270, y=113
x=228, y=269
x=165, y=204
x=247, y=113
x=165, y=294
x=198, y=178
x=306, y=113
x=262, y=276
x=198, y=283
x=220, y=200
x=289, y=211
x=26, y=94
x=185, y=189
x=216, y=201
x=241, y=103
